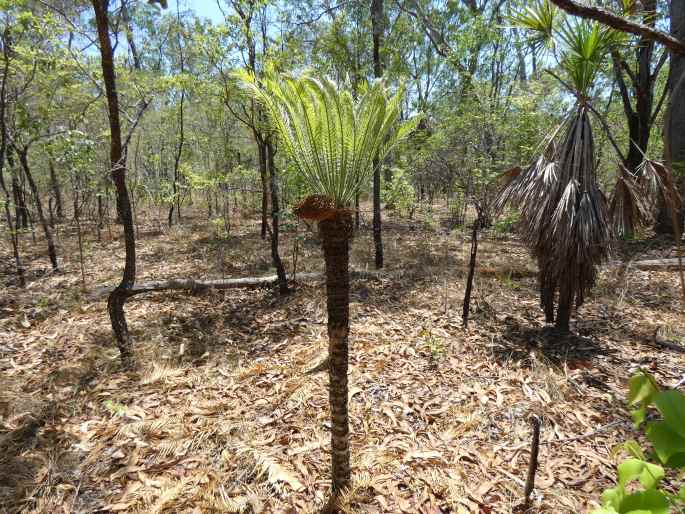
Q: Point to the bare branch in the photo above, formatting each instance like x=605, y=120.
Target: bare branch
x=619, y=23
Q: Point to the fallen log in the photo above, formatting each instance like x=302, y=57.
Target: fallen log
x=196, y=286
x=189, y=284
x=656, y=265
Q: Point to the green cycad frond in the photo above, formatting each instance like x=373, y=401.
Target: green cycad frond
x=330, y=138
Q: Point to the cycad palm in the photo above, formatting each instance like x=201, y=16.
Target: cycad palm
x=332, y=140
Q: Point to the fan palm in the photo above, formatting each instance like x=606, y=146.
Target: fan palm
x=564, y=214
x=332, y=140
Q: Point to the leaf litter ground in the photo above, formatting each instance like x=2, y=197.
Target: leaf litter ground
x=222, y=416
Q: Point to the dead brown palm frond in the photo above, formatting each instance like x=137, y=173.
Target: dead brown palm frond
x=657, y=180
x=659, y=183
x=564, y=215
x=627, y=207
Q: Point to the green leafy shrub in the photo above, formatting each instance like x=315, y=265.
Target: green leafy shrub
x=399, y=194
x=640, y=488
x=506, y=224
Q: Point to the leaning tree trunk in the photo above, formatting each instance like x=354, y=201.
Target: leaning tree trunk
x=275, y=214
x=472, y=271
x=335, y=237
x=117, y=298
x=52, y=253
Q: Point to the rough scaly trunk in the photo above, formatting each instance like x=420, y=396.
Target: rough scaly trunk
x=335, y=237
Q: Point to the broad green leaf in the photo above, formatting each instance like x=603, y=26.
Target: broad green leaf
x=645, y=502
x=667, y=443
x=648, y=474
x=612, y=497
x=642, y=388
x=671, y=404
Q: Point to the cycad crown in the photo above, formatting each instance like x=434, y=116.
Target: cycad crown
x=331, y=138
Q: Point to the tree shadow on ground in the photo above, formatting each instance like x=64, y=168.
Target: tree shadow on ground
x=236, y=323
x=527, y=344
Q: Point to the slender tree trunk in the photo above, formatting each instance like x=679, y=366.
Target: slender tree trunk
x=77, y=219
x=335, y=237
x=13, y=229
x=377, y=227
x=472, y=272
x=261, y=151
x=22, y=153
x=275, y=215
x=56, y=191
x=117, y=298
x=377, y=29
x=21, y=212
x=181, y=138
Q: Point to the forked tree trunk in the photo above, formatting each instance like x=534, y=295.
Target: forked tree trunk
x=275, y=214
x=335, y=237
x=52, y=253
x=117, y=298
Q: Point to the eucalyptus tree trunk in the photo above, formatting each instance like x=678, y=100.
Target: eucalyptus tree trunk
x=377, y=29
x=21, y=212
x=22, y=153
x=181, y=138
x=263, y=165
x=335, y=238
x=117, y=298
x=275, y=215
x=56, y=190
